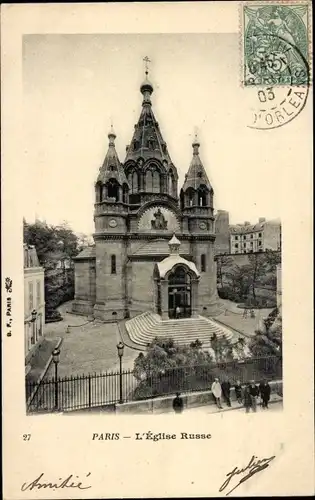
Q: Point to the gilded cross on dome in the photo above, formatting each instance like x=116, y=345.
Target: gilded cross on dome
x=146, y=64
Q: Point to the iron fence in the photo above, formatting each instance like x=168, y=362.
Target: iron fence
x=101, y=389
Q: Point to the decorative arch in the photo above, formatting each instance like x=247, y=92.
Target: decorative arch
x=133, y=180
x=203, y=196
x=147, y=214
x=113, y=189
x=153, y=179
x=190, y=197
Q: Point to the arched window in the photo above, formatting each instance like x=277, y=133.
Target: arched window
x=203, y=263
x=133, y=180
x=179, y=277
x=156, y=181
x=202, y=196
x=149, y=181
x=190, y=197
x=113, y=264
x=113, y=189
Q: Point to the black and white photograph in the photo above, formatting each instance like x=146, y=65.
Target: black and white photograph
x=143, y=293
x=161, y=222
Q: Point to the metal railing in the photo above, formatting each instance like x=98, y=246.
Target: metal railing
x=101, y=389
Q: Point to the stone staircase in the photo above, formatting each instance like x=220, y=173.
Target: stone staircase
x=144, y=328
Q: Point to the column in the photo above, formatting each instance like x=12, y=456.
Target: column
x=194, y=297
x=164, y=299
x=155, y=295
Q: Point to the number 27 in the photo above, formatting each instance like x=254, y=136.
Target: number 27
x=26, y=437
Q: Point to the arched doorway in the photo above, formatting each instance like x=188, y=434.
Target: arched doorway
x=179, y=292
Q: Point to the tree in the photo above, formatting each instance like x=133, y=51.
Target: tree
x=224, y=262
x=267, y=341
x=50, y=241
x=222, y=348
x=239, y=278
x=54, y=244
x=164, y=354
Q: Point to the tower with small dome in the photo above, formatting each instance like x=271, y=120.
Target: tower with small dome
x=140, y=223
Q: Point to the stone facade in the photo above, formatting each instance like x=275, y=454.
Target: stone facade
x=137, y=211
x=34, y=301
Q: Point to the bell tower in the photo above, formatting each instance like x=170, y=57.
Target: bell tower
x=148, y=166
x=196, y=196
x=196, y=203
x=111, y=226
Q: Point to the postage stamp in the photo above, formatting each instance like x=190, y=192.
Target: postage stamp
x=275, y=42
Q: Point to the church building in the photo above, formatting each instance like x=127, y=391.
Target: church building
x=154, y=245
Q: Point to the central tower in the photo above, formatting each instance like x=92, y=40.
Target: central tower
x=137, y=211
x=148, y=165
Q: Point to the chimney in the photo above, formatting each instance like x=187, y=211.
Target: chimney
x=246, y=223
x=261, y=219
x=127, y=147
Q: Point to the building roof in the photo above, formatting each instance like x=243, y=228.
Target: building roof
x=250, y=228
x=86, y=253
x=172, y=260
x=147, y=141
x=158, y=246
x=112, y=168
x=196, y=175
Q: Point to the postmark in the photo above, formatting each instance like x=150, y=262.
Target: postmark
x=275, y=44
x=276, y=62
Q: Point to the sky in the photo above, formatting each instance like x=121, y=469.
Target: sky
x=75, y=85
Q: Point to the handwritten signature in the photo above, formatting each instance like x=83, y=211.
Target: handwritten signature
x=255, y=465
x=66, y=483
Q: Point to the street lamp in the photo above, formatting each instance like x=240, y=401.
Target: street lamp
x=56, y=359
x=33, y=316
x=120, y=350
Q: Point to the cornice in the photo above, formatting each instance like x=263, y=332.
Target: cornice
x=150, y=236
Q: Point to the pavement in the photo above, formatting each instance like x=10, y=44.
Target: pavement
x=274, y=406
x=232, y=316
x=87, y=346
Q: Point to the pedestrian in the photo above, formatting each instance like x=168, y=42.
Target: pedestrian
x=178, y=403
x=265, y=390
x=226, y=390
x=247, y=398
x=217, y=392
x=238, y=392
x=177, y=312
x=254, y=392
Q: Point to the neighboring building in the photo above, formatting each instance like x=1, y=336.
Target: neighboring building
x=249, y=238
x=222, y=233
x=134, y=267
x=34, y=299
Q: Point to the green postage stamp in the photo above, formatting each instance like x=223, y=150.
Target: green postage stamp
x=276, y=44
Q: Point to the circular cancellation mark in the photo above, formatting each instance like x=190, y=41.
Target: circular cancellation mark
x=280, y=81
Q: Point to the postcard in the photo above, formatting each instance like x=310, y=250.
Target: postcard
x=157, y=243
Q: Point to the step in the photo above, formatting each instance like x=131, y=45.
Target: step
x=142, y=329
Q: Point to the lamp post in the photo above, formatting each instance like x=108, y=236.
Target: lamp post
x=33, y=315
x=56, y=359
x=120, y=350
